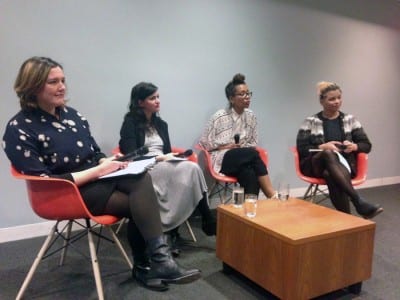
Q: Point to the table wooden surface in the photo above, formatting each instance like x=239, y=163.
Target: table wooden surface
x=296, y=249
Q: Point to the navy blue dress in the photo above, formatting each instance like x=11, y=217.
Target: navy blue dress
x=38, y=143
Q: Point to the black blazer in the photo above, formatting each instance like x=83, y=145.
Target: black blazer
x=132, y=135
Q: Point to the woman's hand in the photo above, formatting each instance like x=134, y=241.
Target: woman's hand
x=105, y=166
x=350, y=147
x=332, y=145
x=109, y=165
x=346, y=146
x=165, y=157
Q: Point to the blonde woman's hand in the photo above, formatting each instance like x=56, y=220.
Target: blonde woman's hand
x=350, y=147
x=109, y=165
x=332, y=145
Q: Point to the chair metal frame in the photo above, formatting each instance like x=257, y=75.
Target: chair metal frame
x=314, y=188
x=222, y=184
x=60, y=200
x=193, y=158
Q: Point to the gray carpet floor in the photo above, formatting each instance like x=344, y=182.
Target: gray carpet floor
x=74, y=280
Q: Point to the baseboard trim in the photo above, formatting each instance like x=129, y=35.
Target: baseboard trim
x=43, y=228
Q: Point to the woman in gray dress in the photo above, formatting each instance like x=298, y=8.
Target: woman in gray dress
x=179, y=184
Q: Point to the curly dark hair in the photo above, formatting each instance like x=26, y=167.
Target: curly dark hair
x=230, y=88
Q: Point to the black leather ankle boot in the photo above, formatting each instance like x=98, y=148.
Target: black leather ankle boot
x=163, y=268
x=365, y=209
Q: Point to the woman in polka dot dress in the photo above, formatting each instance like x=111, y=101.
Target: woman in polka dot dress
x=48, y=138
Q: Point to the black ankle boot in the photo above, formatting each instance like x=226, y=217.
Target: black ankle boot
x=141, y=260
x=172, y=238
x=163, y=268
x=367, y=210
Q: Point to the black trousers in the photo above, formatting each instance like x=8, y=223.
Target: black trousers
x=246, y=165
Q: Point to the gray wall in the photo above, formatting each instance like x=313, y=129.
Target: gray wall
x=190, y=49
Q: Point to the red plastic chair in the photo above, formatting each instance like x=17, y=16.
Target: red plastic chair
x=193, y=158
x=60, y=200
x=314, y=190
x=221, y=182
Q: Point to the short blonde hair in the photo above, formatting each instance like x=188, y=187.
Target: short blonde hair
x=323, y=87
x=31, y=78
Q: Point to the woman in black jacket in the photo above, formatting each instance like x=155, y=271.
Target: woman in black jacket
x=179, y=184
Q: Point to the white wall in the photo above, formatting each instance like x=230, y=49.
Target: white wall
x=191, y=49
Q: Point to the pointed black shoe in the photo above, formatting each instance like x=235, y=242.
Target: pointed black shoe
x=367, y=210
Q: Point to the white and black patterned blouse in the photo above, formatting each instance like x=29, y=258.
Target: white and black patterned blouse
x=38, y=143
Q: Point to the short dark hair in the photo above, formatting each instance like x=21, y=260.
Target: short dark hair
x=31, y=78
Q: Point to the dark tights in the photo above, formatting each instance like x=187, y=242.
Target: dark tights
x=134, y=198
x=325, y=164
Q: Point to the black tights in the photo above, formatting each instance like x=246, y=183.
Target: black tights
x=134, y=198
x=325, y=164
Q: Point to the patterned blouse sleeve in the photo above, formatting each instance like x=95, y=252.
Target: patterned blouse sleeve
x=23, y=151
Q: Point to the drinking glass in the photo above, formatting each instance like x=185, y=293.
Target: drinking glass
x=250, y=205
x=283, y=191
x=238, y=196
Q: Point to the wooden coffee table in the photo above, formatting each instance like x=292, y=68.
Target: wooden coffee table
x=296, y=249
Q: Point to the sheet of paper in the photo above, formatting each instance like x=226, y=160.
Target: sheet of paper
x=134, y=167
x=342, y=160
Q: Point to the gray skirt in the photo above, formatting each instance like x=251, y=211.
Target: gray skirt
x=179, y=186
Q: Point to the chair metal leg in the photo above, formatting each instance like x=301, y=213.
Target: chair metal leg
x=66, y=243
x=95, y=263
x=121, y=223
x=307, y=194
x=190, y=231
x=36, y=262
x=119, y=245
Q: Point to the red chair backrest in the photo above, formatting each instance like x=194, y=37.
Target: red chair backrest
x=57, y=199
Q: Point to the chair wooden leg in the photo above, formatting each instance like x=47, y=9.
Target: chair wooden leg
x=36, y=262
x=119, y=245
x=191, y=231
x=66, y=242
x=95, y=263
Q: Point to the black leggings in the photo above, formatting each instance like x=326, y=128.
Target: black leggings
x=134, y=198
x=246, y=165
x=326, y=164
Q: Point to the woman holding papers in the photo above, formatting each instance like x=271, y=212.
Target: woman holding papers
x=48, y=138
x=179, y=184
x=328, y=143
x=231, y=137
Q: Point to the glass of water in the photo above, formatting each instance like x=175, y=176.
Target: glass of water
x=238, y=196
x=283, y=191
x=250, y=205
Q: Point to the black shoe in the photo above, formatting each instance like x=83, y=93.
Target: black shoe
x=377, y=210
x=209, y=226
x=367, y=210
